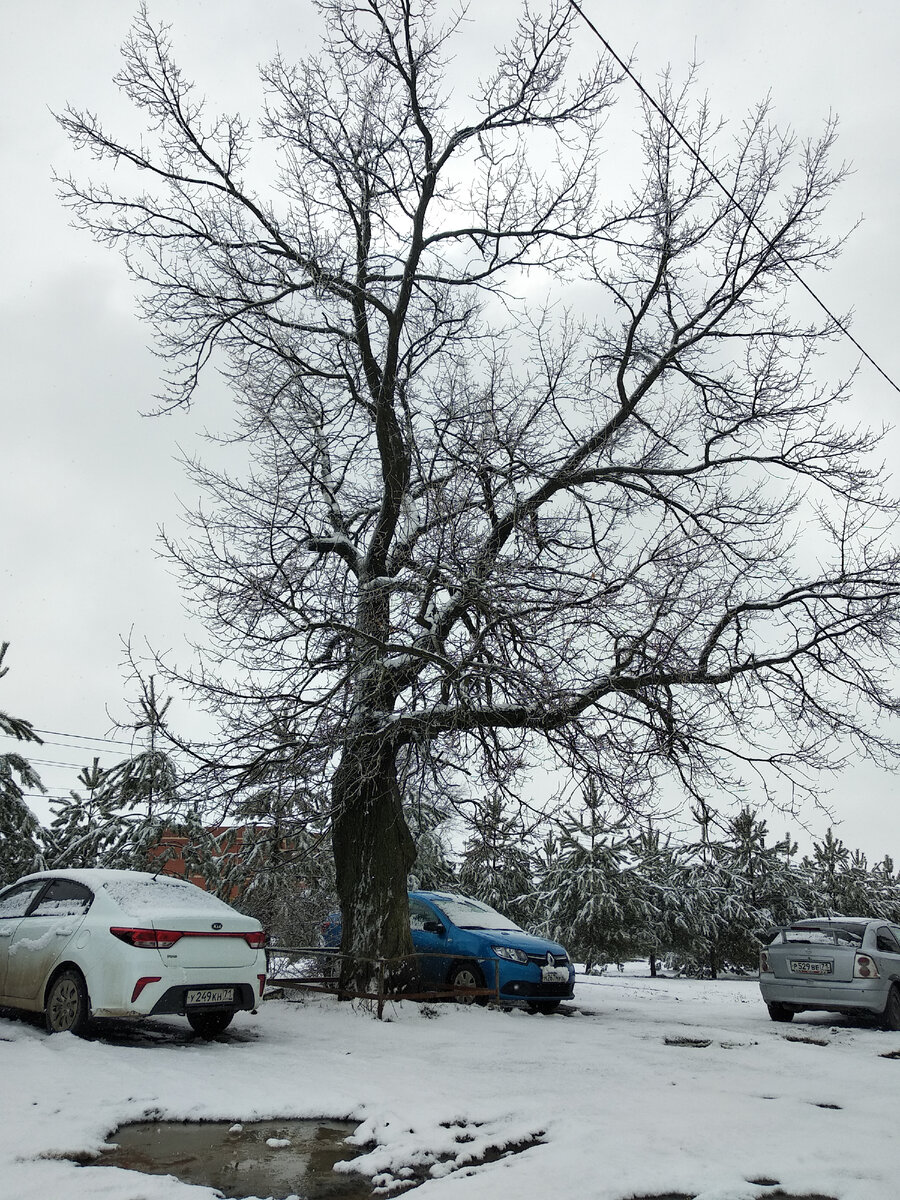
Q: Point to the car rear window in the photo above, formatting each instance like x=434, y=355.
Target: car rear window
x=148, y=897
x=848, y=933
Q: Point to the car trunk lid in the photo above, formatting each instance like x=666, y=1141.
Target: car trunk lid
x=815, y=953
x=202, y=943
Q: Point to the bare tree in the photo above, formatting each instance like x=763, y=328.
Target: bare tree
x=476, y=529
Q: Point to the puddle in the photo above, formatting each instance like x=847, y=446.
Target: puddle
x=765, y=1196
x=239, y=1162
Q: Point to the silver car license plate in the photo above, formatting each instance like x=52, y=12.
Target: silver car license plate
x=209, y=996
x=810, y=966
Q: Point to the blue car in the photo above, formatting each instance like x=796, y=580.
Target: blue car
x=463, y=943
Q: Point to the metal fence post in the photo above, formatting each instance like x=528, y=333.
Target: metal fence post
x=379, y=979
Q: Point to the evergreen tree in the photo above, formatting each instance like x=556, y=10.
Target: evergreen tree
x=20, y=841
x=591, y=891
x=658, y=859
x=884, y=889
x=825, y=870
x=274, y=861
x=429, y=804
x=88, y=829
x=496, y=863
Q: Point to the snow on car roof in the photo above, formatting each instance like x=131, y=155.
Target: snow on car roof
x=97, y=876
x=141, y=893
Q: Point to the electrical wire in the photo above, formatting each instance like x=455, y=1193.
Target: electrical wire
x=839, y=324
x=83, y=737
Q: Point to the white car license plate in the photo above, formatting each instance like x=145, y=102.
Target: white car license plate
x=210, y=996
x=810, y=967
x=554, y=975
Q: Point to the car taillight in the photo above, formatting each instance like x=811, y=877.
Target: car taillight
x=764, y=962
x=146, y=939
x=256, y=940
x=864, y=967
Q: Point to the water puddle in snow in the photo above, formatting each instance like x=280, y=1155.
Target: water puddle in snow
x=765, y=1196
x=261, y=1158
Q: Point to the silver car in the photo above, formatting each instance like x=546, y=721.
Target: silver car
x=833, y=964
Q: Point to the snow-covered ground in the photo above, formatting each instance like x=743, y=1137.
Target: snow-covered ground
x=621, y=1108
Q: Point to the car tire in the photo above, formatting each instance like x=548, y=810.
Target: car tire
x=544, y=1006
x=66, y=1005
x=890, y=1018
x=209, y=1024
x=467, y=975
x=780, y=1012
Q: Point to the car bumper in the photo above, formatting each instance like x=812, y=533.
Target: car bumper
x=168, y=994
x=831, y=997
x=174, y=1000
x=525, y=985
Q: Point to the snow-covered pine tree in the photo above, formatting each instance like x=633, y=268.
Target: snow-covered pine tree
x=770, y=891
x=273, y=861
x=429, y=804
x=88, y=829
x=496, y=864
x=825, y=870
x=20, y=830
x=657, y=872
x=884, y=889
x=590, y=892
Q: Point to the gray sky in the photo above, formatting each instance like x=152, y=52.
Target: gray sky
x=86, y=480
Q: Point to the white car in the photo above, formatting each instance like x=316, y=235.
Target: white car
x=91, y=943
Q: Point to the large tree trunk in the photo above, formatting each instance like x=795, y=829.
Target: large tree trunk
x=373, y=854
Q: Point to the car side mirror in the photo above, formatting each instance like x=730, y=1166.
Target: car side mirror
x=434, y=927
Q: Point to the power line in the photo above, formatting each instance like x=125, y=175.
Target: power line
x=731, y=196
x=84, y=737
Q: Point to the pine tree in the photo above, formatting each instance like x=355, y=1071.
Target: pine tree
x=274, y=862
x=20, y=831
x=496, y=863
x=87, y=828
x=590, y=890
x=825, y=871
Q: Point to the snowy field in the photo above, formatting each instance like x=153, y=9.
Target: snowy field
x=620, y=1108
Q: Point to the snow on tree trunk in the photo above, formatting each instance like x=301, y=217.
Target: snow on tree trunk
x=373, y=853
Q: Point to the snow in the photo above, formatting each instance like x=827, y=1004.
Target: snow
x=147, y=897
x=642, y=1086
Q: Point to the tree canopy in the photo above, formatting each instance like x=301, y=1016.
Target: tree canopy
x=539, y=466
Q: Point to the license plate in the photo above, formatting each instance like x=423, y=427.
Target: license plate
x=554, y=975
x=210, y=996
x=810, y=967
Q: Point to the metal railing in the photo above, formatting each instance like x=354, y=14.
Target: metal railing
x=319, y=969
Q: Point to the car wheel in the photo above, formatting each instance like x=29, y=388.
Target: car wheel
x=66, y=1008
x=467, y=975
x=545, y=1006
x=780, y=1012
x=890, y=1018
x=211, y=1024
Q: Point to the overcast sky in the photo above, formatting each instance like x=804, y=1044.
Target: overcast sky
x=87, y=480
